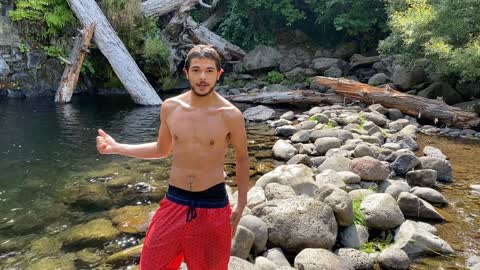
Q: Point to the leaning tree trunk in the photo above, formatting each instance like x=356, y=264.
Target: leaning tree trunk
x=71, y=73
x=297, y=98
x=87, y=11
x=421, y=107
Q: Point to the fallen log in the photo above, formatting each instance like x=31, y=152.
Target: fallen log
x=87, y=12
x=182, y=31
x=203, y=35
x=70, y=76
x=297, y=98
x=423, y=108
x=158, y=8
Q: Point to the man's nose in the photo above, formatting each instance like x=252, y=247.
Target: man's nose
x=203, y=75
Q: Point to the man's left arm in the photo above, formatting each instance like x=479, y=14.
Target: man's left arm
x=238, y=138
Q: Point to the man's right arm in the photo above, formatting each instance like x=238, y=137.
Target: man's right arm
x=154, y=150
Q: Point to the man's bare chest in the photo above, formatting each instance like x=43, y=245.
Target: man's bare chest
x=208, y=129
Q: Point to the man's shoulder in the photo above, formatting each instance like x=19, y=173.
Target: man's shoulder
x=171, y=103
x=229, y=110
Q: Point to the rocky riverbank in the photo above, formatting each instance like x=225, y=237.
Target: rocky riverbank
x=342, y=183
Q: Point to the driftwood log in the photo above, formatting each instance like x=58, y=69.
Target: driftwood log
x=87, y=12
x=158, y=8
x=431, y=109
x=70, y=76
x=297, y=98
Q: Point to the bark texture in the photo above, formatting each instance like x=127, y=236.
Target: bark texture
x=421, y=107
x=88, y=12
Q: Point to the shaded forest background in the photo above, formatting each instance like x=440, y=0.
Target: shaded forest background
x=441, y=36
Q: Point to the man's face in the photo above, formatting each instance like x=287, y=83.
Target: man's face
x=202, y=75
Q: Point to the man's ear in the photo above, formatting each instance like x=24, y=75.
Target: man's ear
x=186, y=72
x=220, y=72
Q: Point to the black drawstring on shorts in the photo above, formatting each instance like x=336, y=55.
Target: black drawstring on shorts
x=192, y=211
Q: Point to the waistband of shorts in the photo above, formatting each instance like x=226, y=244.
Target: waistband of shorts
x=214, y=197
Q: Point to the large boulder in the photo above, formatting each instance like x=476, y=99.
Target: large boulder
x=329, y=177
x=468, y=90
x=404, y=163
x=336, y=163
x=289, y=175
x=394, y=258
x=416, y=241
x=405, y=79
x=323, y=64
x=441, y=90
x=242, y=242
x=338, y=200
x=353, y=236
x=276, y=255
x=322, y=145
x=431, y=151
x=393, y=187
x=381, y=211
x=422, y=178
x=429, y=194
x=320, y=259
x=262, y=57
x=442, y=166
x=378, y=79
x=277, y=191
x=259, y=229
x=358, y=259
x=413, y=206
x=298, y=223
x=236, y=263
x=370, y=169
x=284, y=150
x=259, y=113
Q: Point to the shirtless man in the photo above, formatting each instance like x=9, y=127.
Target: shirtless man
x=194, y=222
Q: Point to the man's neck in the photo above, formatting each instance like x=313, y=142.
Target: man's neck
x=202, y=101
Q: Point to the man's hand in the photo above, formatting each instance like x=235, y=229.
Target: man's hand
x=105, y=143
x=235, y=218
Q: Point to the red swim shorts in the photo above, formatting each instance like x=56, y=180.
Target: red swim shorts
x=204, y=241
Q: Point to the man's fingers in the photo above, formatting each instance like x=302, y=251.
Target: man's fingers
x=103, y=133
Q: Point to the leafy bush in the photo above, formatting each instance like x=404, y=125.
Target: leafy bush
x=42, y=19
x=275, y=77
x=442, y=36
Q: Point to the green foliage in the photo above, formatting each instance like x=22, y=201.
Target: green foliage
x=54, y=51
x=330, y=124
x=351, y=19
x=155, y=50
x=252, y=22
x=359, y=219
x=377, y=244
x=126, y=18
x=443, y=36
x=24, y=48
x=87, y=68
x=275, y=77
x=42, y=19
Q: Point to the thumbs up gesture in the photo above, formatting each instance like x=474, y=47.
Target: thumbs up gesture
x=105, y=143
